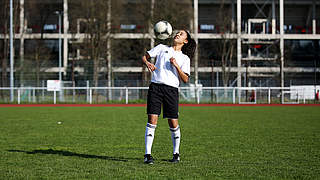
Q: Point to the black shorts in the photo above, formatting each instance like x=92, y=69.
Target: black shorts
x=167, y=96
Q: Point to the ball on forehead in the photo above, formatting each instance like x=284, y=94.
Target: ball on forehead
x=162, y=29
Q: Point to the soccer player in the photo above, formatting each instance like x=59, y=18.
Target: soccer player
x=172, y=65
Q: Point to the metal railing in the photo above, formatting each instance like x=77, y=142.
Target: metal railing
x=126, y=95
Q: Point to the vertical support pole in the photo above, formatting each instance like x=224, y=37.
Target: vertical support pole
x=109, y=51
x=303, y=94
x=87, y=91
x=233, y=17
x=281, y=44
x=298, y=97
x=273, y=17
x=152, y=41
x=255, y=95
x=249, y=27
x=54, y=97
x=19, y=96
x=234, y=95
x=65, y=41
x=60, y=73
x=239, y=54
x=11, y=53
x=127, y=95
x=198, y=94
x=90, y=96
x=42, y=90
x=269, y=96
x=217, y=77
x=22, y=30
x=315, y=94
x=314, y=25
x=195, y=30
x=60, y=58
x=65, y=37
x=150, y=25
x=249, y=50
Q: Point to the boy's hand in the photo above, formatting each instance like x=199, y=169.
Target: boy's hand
x=151, y=67
x=173, y=62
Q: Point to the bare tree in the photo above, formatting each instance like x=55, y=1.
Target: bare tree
x=37, y=60
x=39, y=54
x=4, y=45
x=145, y=13
x=95, y=19
x=226, y=46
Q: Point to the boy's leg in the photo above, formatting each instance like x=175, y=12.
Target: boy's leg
x=150, y=131
x=154, y=102
x=175, y=136
x=149, y=136
x=171, y=111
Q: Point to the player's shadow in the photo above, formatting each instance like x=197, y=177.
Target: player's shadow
x=69, y=153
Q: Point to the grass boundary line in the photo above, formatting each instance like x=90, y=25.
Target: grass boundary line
x=144, y=105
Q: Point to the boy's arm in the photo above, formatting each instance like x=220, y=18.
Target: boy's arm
x=184, y=77
x=151, y=67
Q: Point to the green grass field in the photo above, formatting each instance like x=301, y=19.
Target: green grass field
x=108, y=143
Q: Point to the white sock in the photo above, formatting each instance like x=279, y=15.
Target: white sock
x=175, y=136
x=149, y=136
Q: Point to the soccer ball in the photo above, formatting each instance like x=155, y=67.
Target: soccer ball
x=162, y=29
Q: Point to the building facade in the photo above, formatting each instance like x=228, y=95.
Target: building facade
x=241, y=43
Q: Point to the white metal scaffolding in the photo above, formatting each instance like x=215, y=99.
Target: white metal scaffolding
x=240, y=35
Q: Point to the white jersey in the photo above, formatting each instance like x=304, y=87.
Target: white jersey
x=166, y=73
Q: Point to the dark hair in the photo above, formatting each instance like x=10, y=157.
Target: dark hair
x=190, y=47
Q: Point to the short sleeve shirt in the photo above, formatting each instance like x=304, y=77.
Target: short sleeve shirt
x=166, y=73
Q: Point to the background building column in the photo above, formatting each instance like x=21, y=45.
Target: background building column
x=22, y=31
x=195, y=30
x=273, y=17
x=65, y=36
x=239, y=53
x=314, y=24
x=109, y=56
x=281, y=43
